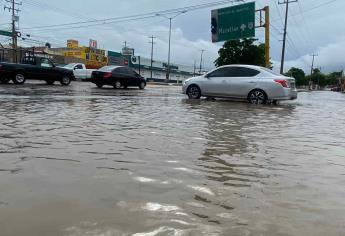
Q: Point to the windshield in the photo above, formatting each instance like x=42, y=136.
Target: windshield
x=107, y=68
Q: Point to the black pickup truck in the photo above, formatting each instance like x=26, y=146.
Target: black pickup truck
x=37, y=68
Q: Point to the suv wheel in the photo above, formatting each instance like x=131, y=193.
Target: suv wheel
x=194, y=92
x=66, y=80
x=117, y=85
x=19, y=78
x=142, y=85
x=99, y=85
x=257, y=97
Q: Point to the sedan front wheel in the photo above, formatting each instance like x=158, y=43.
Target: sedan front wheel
x=194, y=92
x=142, y=85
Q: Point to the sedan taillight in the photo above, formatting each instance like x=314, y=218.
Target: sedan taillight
x=283, y=82
x=107, y=75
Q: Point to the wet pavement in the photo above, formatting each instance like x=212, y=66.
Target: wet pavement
x=82, y=161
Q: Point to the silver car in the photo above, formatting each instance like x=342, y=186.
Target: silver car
x=256, y=84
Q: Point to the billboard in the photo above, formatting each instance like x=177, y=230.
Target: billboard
x=93, y=44
x=233, y=22
x=72, y=43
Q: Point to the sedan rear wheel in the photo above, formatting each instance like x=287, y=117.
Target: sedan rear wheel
x=194, y=92
x=19, y=78
x=257, y=97
x=117, y=85
x=66, y=80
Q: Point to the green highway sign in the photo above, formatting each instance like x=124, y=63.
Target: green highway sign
x=5, y=33
x=233, y=22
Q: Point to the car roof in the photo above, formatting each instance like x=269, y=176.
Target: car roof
x=243, y=65
x=264, y=71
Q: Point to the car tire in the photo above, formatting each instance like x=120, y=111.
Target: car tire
x=5, y=80
x=257, y=97
x=142, y=85
x=66, y=80
x=194, y=92
x=50, y=81
x=19, y=78
x=99, y=85
x=117, y=85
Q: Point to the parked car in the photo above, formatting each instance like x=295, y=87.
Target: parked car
x=336, y=89
x=256, y=84
x=79, y=70
x=36, y=68
x=118, y=77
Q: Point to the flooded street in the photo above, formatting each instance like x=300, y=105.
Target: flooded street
x=83, y=161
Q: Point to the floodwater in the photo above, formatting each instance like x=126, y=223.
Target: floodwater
x=82, y=161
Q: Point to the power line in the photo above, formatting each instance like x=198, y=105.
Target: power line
x=137, y=16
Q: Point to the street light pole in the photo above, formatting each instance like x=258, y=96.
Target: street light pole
x=202, y=53
x=169, y=52
x=168, y=72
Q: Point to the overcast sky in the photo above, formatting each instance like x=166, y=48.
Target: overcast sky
x=315, y=26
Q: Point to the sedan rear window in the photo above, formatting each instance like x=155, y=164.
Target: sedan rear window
x=234, y=72
x=107, y=68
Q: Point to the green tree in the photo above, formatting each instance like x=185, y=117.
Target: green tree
x=333, y=78
x=241, y=52
x=299, y=76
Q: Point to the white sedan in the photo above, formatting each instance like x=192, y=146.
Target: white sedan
x=256, y=84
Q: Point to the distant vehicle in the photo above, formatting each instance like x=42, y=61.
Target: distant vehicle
x=35, y=68
x=336, y=89
x=255, y=84
x=79, y=70
x=118, y=77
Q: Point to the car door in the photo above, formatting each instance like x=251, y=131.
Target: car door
x=215, y=82
x=132, y=79
x=240, y=81
x=47, y=71
x=121, y=74
x=32, y=70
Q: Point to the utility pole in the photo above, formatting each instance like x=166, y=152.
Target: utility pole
x=312, y=70
x=202, y=53
x=286, y=2
x=15, y=18
x=312, y=64
x=194, y=68
x=152, y=43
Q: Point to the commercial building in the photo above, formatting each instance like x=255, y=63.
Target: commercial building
x=142, y=65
